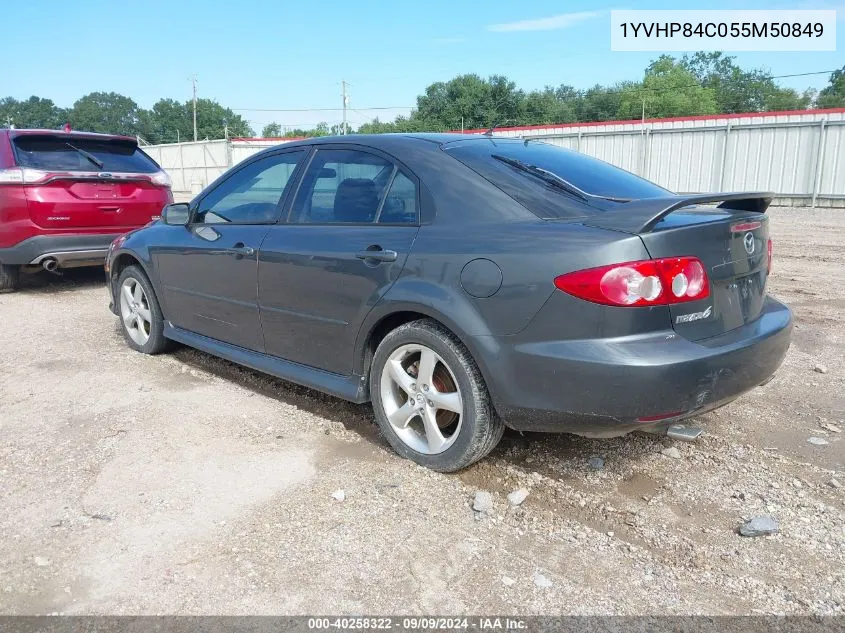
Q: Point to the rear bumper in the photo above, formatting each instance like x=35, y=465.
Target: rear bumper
x=65, y=249
x=606, y=387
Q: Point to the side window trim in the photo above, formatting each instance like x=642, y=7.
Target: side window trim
x=286, y=203
x=386, y=193
x=291, y=198
x=226, y=176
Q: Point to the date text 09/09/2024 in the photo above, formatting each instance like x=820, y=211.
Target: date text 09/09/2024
x=420, y=623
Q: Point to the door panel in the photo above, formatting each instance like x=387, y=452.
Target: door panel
x=209, y=280
x=315, y=291
x=210, y=269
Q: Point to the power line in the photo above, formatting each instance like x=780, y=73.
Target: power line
x=318, y=109
x=582, y=91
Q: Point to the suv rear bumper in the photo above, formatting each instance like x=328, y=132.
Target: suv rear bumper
x=610, y=387
x=65, y=249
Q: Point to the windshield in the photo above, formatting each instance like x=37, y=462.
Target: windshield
x=499, y=160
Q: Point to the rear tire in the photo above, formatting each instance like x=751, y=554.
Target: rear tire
x=421, y=376
x=140, y=315
x=9, y=276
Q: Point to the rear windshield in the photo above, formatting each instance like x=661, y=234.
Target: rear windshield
x=69, y=154
x=588, y=174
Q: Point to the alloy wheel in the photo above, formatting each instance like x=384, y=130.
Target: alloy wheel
x=135, y=311
x=421, y=399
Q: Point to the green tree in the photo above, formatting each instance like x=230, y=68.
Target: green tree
x=212, y=119
x=272, y=130
x=668, y=89
x=168, y=121
x=833, y=95
x=321, y=129
x=107, y=112
x=478, y=102
x=601, y=104
x=738, y=90
x=35, y=112
x=550, y=105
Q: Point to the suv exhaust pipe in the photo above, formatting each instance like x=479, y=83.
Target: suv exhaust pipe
x=50, y=264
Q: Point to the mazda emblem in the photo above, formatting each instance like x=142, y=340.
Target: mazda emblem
x=748, y=242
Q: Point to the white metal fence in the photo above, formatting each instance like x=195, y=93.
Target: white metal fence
x=193, y=165
x=799, y=156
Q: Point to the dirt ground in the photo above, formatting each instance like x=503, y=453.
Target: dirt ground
x=184, y=484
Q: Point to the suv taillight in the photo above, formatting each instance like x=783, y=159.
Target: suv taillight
x=162, y=179
x=13, y=176
x=21, y=176
x=643, y=283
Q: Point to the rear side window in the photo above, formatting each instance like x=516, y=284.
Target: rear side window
x=342, y=186
x=400, y=205
x=69, y=154
x=588, y=174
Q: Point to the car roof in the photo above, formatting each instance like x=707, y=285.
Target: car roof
x=392, y=140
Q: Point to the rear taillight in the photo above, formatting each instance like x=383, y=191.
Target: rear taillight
x=13, y=176
x=162, y=179
x=769, y=257
x=644, y=283
x=22, y=176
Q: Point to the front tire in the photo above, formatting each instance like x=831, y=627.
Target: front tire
x=140, y=314
x=9, y=276
x=430, y=399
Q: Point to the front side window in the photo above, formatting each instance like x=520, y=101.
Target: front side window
x=253, y=194
x=342, y=186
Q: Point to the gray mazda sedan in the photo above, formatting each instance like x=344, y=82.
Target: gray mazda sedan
x=463, y=284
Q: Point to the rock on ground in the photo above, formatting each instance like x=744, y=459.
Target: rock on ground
x=518, y=496
x=483, y=502
x=759, y=526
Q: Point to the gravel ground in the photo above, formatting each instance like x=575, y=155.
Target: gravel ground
x=184, y=484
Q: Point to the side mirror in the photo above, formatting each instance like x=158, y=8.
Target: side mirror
x=176, y=214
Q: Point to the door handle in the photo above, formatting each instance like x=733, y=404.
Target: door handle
x=377, y=254
x=241, y=250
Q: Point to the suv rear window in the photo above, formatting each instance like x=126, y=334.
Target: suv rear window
x=588, y=174
x=63, y=153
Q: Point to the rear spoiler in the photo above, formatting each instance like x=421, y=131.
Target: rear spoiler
x=640, y=216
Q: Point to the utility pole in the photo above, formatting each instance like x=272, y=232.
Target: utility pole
x=345, y=102
x=194, y=82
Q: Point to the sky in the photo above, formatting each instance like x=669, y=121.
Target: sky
x=261, y=55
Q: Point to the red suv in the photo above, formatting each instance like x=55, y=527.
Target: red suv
x=64, y=196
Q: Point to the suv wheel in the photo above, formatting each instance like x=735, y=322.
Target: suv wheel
x=9, y=277
x=140, y=314
x=430, y=399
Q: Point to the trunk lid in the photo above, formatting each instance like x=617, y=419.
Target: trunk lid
x=733, y=249
x=86, y=182
x=731, y=240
